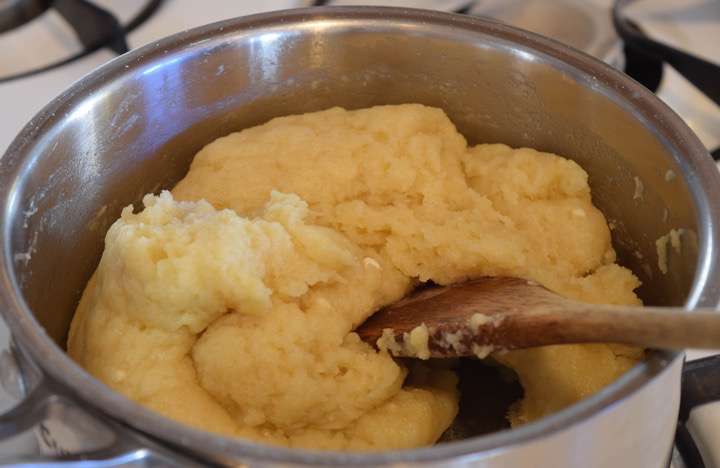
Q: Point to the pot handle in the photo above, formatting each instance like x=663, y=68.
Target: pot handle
x=102, y=442
x=700, y=385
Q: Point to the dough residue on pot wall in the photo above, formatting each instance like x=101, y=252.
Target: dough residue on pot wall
x=229, y=305
x=672, y=239
x=639, y=189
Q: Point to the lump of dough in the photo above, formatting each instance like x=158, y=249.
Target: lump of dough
x=244, y=327
x=576, y=371
x=230, y=304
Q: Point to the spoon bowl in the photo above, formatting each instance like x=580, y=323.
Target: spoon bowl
x=490, y=313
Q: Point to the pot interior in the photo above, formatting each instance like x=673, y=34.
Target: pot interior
x=134, y=127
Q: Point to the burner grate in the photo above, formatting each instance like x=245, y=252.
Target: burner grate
x=94, y=27
x=15, y=13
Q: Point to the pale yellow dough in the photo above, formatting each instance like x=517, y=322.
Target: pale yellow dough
x=233, y=310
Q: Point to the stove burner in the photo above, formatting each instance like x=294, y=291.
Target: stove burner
x=14, y=13
x=701, y=73
x=700, y=385
x=645, y=58
x=94, y=27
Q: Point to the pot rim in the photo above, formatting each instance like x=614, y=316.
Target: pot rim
x=697, y=169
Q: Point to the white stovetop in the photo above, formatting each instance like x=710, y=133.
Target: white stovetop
x=688, y=24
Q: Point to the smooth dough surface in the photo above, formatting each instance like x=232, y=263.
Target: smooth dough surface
x=230, y=304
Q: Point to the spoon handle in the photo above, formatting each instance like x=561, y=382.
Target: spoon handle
x=670, y=328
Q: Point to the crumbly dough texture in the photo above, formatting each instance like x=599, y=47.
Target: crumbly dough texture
x=229, y=305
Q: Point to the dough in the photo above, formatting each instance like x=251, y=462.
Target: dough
x=229, y=304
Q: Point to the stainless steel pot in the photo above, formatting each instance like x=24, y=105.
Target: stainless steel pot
x=133, y=126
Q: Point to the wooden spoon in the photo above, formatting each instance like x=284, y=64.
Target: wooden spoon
x=476, y=317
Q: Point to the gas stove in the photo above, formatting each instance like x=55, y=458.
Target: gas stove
x=47, y=45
